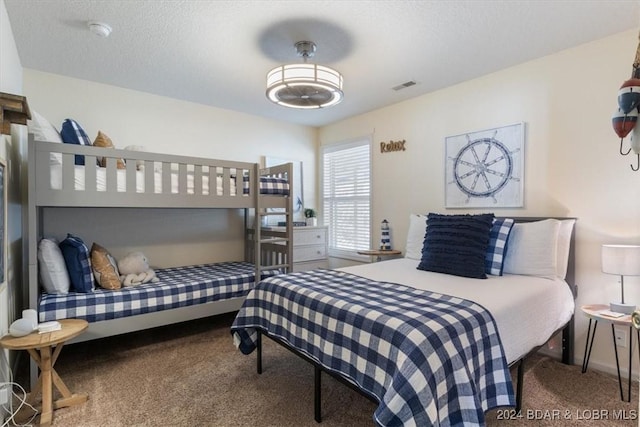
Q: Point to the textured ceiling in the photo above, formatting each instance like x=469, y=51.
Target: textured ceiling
x=218, y=52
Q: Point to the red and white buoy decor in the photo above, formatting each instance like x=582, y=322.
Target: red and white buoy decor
x=625, y=118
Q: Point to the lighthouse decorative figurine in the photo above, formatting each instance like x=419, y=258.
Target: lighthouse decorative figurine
x=385, y=241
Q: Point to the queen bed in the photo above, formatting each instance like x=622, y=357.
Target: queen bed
x=430, y=348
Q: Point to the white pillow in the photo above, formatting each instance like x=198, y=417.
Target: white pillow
x=43, y=130
x=532, y=249
x=564, y=244
x=53, y=270
x=139, y=163
x=415, y=236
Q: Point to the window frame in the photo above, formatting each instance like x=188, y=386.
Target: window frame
x=344, y=145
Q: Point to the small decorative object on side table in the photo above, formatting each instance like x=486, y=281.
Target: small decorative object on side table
x=379, y=253
x=385, y=239
x=45, y=348
x=601, y=313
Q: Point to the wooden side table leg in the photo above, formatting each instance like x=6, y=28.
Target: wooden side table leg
x=47, y=385
x=35, y=391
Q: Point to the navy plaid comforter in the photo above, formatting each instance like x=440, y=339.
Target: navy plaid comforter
x=178, y=287
x=430, y=359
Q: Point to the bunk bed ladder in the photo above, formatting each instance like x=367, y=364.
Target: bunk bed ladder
x=271, y=249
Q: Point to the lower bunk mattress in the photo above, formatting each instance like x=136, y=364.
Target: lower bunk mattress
x=178, y=287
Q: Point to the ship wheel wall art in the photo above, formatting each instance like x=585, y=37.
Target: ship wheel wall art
x=485, y=169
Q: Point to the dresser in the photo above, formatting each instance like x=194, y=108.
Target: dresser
x=310, y=248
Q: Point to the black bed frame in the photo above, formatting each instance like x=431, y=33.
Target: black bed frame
x=568, y=335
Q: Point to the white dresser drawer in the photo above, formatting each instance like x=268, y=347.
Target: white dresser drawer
x=309, y=253
x=313, y=236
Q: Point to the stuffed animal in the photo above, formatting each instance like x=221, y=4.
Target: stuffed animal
x=134, y=270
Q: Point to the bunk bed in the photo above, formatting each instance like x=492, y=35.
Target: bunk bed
x=152, y=180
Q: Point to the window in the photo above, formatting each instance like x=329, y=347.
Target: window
x=346, y=193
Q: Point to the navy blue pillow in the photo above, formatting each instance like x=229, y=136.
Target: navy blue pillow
x=77, y=259
x=72, y=133
x=456, y=244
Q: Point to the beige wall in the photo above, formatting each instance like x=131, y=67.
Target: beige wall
x=572, y=165
x=165, y=125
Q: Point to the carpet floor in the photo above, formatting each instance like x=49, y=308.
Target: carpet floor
x=190, y=374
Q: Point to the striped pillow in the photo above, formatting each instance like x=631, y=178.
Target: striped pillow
x=72, y=133
x=498, y=238
x=76, y=257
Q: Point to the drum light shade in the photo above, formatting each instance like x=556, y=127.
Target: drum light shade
x=305, y=86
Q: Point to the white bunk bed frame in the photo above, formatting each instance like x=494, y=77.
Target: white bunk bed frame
x=41, y=195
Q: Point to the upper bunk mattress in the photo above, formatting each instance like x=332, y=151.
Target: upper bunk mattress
x=268, y=184
x=178, y=287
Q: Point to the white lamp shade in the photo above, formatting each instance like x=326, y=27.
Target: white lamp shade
x=623, y=260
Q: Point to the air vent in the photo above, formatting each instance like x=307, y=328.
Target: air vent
x=404, y=85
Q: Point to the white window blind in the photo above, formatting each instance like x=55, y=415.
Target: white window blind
x=346, y=192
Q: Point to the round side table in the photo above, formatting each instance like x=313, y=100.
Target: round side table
x=44, y=350
x=379, y=253
x=600, y=313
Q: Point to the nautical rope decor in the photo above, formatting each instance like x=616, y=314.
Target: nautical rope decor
x=624, y=119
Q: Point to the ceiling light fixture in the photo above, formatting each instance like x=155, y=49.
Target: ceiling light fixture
x=304, y=85
x=99, y=28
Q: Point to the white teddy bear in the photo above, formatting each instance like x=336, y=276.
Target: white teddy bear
x=134, y=270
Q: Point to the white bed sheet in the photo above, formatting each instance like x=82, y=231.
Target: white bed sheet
x=101, y=181
x=527, y=309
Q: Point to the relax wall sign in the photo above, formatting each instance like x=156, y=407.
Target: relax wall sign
x=387, y=147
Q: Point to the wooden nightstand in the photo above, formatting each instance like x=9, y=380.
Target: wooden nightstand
x=595, y=314
x=45, y=349
x=379, y=253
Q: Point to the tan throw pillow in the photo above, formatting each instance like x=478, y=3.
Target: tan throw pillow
x=105, y=268
x=104, y=141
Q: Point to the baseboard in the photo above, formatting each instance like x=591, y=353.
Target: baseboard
x=593, y=365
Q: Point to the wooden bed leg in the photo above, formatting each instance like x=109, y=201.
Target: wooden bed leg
x=317, y=396
x=259, y=352
x=519, y=385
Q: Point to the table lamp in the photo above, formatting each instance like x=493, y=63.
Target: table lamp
x=623, y=260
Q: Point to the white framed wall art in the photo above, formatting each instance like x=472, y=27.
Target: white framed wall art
x=485, y=169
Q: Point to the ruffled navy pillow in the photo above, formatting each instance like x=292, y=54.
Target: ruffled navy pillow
x=456, y=244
